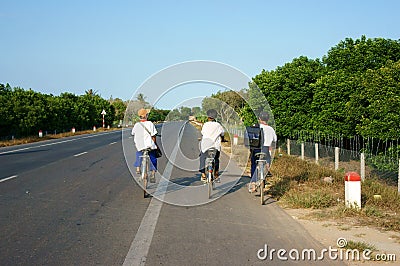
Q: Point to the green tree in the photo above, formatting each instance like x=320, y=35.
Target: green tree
x=362, y=54
x=329, y=112
x=289, y=94
x=120, y=107
x=376, y=103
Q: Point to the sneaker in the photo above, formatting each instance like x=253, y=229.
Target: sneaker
x=138, y=170
x=269, y=174
x=153, y=177
x=203, y=177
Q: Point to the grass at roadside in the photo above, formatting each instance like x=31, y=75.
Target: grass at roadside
x=301, y=184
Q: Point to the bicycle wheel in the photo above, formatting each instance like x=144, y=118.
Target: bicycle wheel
x=262, y=191
x=144, y=176
x=210, y=183
x=261, y=179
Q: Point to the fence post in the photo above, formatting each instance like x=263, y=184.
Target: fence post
x=362, y=171
x=398, y=180
x=302, y=150
x=288, y=146
x=336, y=158
x=316, y=153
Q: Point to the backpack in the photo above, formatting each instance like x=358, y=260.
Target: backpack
x=253, y=137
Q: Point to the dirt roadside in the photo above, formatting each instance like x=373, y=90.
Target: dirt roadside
x=328, y=232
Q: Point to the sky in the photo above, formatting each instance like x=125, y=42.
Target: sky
x=113, y=47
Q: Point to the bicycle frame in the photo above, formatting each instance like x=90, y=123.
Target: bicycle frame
x=261, y=163
x=209, y=162
x=144, y=167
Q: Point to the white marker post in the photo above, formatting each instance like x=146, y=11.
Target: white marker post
x=103, y=113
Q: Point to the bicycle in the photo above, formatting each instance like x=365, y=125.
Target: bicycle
x=261, y=173
x=144, y=170
x=210, y=162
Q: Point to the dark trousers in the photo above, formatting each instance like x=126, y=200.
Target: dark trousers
x=203, y=157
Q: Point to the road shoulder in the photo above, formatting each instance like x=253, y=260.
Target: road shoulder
x=327, y=232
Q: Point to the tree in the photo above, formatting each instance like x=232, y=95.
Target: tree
x=288, y=92
x=376, y=103
x=120, y=107
x=362, y=54
x=329, y=112
x=227, y=104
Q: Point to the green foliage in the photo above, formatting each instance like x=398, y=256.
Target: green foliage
x=362, y=54
x=377, y=103
x=158, y=115
x=25, y=112
x=120, y=107
x=355, y=90
x=289, y=93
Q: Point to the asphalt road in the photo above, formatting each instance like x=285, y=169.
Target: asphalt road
x=75, y=202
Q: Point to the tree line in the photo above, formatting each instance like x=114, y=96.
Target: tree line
x=353, y=90
x=25, y=112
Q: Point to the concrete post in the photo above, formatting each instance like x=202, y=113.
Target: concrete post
x=362, y=171
x=336, y=158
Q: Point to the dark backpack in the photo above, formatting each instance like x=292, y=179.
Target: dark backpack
x=253, y=137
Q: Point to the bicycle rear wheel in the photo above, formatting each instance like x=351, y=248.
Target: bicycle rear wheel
x=144, y=176
x=210, y=184
x=262, y=191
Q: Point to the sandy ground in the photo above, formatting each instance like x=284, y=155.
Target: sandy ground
x=327, y=233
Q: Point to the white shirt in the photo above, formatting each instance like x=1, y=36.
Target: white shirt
x=212, y=132
x=269, y=135
x=141, y=137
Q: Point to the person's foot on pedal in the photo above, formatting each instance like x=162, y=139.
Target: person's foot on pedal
x=252, y=187
x=153, y=177
x=138, y=170
x=269, y=174
x=203, y=177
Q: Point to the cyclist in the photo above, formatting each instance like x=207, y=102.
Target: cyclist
x=269, y=136
x=144, y=135
x=212, y=135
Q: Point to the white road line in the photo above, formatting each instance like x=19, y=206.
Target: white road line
x=54, y=143
x=8, y=178
x=140, y=246
x=112, y=143
x=79, y=154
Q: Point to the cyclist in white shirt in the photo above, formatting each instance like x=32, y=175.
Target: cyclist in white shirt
x=144, y=135
x=212, y=134
x=269, y=137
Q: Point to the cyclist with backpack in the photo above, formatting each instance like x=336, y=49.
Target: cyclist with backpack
x=268, y=136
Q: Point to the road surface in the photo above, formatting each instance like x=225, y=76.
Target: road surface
x=75, y=202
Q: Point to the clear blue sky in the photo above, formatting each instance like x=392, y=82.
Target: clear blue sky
x=112, y=47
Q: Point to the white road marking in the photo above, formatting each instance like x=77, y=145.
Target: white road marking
x=139, y=249
x=55, y=143
x=8, y=178
x=112, y=143
x=79, y=154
